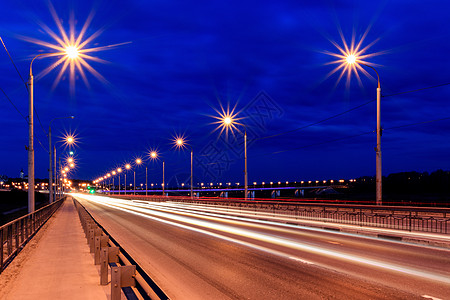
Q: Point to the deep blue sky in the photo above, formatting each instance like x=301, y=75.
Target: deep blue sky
x=185, y=58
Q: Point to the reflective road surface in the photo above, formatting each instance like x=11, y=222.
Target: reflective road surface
x=203, y=252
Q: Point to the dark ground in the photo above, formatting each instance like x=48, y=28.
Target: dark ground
x=14, y=204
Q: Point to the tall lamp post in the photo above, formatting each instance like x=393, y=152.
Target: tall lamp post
x=353, y=60
x=180, y=142
x=138, y=161
x=146, y=180
x=68, y=140
x=108, y=176
x=71, y=53
x=113, y=173
x=153, y=156
x=127, y=167
x=119, y=170
x=228, y=122
x=31, y=200
x=50, y=152
x=163, y=183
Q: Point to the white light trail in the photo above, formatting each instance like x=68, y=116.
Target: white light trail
x=190, y=222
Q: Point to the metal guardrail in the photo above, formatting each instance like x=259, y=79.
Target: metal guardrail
x=15, y=234
x=409, y=218
x=126, y=274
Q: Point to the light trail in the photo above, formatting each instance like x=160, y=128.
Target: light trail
x=247, y=214
x=203, y=226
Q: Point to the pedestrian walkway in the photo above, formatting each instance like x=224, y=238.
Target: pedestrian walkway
x=55, y=264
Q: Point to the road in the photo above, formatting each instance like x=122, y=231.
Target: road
x=200, y=252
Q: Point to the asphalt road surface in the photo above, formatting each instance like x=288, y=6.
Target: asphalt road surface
x=203, y=252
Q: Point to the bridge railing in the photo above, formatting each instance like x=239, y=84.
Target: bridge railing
x=409, y=218
x=15, y=234
x=136, y=284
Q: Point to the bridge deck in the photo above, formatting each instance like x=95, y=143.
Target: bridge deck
x=55, y=264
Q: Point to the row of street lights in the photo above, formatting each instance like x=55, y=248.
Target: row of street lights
x=227, y=121
x=179, y=142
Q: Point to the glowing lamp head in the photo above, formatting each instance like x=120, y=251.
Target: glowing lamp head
x=113, y=172
x=119, y=170
x=69, y=140
x=351, y=59
x=153, y=154
x=180, y=142
x=138, y=161
x=127, y=166
x=72, y=165
x=227, y=121
x=72, y=52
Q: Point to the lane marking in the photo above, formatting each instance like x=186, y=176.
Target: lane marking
x=301, y=260
x=335, y=243
x=431, y=297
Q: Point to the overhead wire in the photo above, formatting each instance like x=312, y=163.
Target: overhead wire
x=26, y=86
x=352, y=109
x=349, y=110
x=12, y=103
x=17, y=70
x=360, y=134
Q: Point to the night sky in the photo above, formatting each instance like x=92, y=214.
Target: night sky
x=175, y=63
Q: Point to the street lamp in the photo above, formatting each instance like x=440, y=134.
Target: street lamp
x=353, y=61
x=68, y=140
x=71, y=53
x=50, y=169
x=228, y=121
x=119, y=170
x=113, y=173
x=138, y=161
x=154, y=155
x=127, y=167
x=108, y=175
x=180, y=143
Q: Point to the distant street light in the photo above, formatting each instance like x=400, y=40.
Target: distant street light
x=228, y=122
x=180, y=143
x=68, y=140
x=127, y=167
x=154, y=155
x=138, y=161
x=113, y=173
x=119, y=170
x=50, y=152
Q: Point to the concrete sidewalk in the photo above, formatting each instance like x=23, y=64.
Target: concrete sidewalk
x=55, y=264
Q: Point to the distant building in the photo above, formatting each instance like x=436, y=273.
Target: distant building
x=21, y=174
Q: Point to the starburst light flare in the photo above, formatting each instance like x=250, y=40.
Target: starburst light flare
x=179, y=142
x=351, y=56
x=228, y=121
x=153, y=154
x=69, y=140
x=72, y=49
